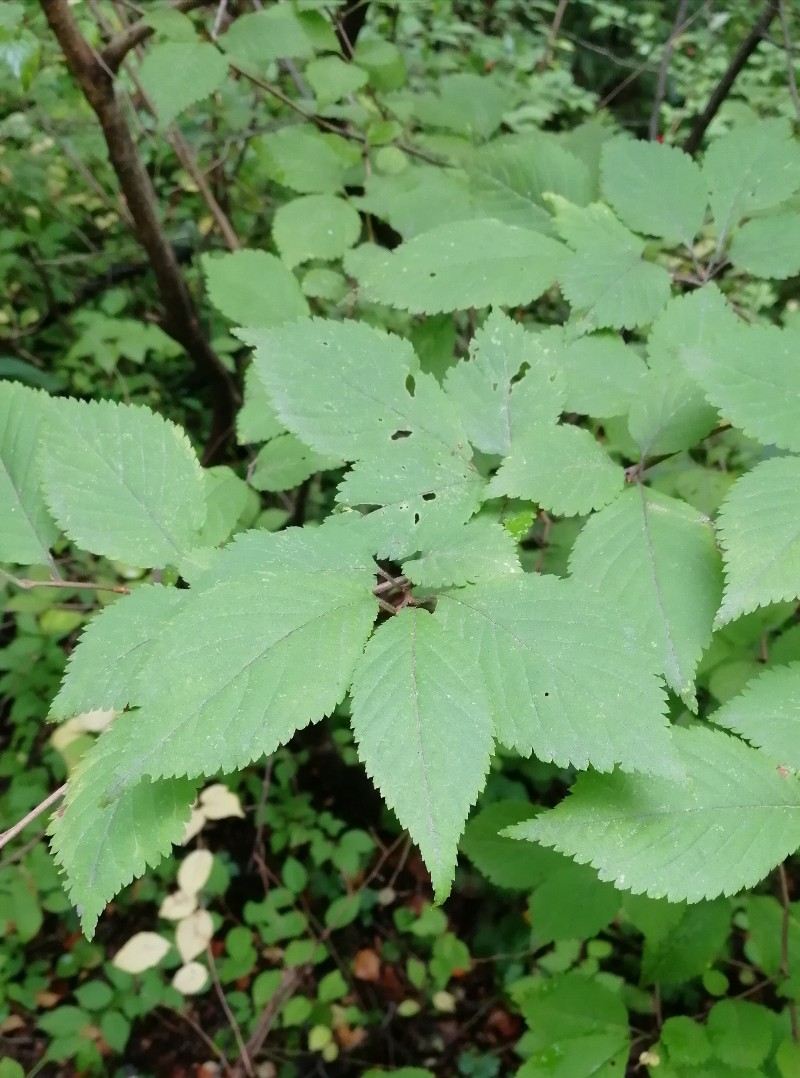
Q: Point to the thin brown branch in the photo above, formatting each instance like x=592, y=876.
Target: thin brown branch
x=725, y=84
x=789, y=48
x=181, y=319
x=289, y=982
x=187, y=159
x=119, y=47
x=244, y=1055
x=34, y=814
x=26, y=584
x=663, y=70
x=552, y=35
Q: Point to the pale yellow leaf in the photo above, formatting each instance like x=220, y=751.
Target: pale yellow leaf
x=190, y=979
x=194, y=826
x=195, y=870
x=142, y=951
x=193, y=934
x=94, y=722
x=177, y=906
x=218, y=803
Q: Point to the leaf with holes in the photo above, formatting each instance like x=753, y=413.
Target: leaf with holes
x=473, y=263
x=349, y=390
x=482, y=549
x=421, y=722
x=480, y=385
x=653, y=558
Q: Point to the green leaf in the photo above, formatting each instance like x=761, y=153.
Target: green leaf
x=176, y=74
x=571, y=903
x=101, y=848
x=474, y=263
x=561, y=468
x=350, y=390
x=332, y=78
x=752, y=375
x=566, y=678
x=578, y=1028
x=256, y=420
x=688, y=327
x=285, y=462
x=685, y=1040
x=423, y=491
x=226, y=500
x=229, y=681
x=603, y=375
x=382, y=61
x=654, y=559
x=741, y=1033
x=752, y=168
x=480, y=385
x=768, y=246
x=307, y=161
x=418, y=199
x=759, y=515
x=102, y=845
x=482, y=549
x=724, y=830
x=123, y=482
x=103, y=670
x=469, y=104
x=421, y=722
x=508, y=178
x=253, y=288
x=315, y=226
x=670, y=413
x=767, y=713
x=688, y=942
x=28, y=530
x=654, y=188
x=258, y=38
x=497, y=857
x=611, y=286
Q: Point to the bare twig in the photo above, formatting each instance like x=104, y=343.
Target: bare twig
x=26, y=584
x=244, y=1055
x=789, y=47
x=181, y=319
x=218, y=19
x=552, y=35
x=663, y=69
x=784, y=884
x=34, y=814
x=725, y=84
x=119, y=47
x=289, y=982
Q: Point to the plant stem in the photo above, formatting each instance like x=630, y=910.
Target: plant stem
x=43, y=806
x=725, y=84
